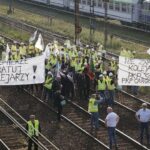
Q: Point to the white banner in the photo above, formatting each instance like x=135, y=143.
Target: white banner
x=29, y=71
x=134, y=72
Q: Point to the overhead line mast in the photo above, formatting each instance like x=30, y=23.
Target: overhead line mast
x=78, y=28
x=92, y=22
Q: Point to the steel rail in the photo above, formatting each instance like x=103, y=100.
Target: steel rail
x=102, y=121
x=1, y=141
x=68, y=120
x=22, y=128
x=26, y=123
x=118, y=131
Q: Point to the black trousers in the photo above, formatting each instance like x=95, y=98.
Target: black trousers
x=30, y=143
x=59, y=108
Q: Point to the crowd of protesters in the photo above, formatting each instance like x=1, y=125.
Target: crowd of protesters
x=76, y=72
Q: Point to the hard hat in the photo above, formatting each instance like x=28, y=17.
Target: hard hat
x=110, y=74
x=92, y=49
x=50, y=73
x=32, y=116
x=113, y=58
x=104, y=73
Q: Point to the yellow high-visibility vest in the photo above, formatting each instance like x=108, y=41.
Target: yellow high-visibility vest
x=22, y=50
x=101, y=85
x=33, y=130
x=92, y=106
x=110, y=86
x=48, y=83
x=13, y=48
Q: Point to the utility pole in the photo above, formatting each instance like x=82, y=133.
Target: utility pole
x=92, y=22
x=105, y=23
x=78, y=28
x=10, y=10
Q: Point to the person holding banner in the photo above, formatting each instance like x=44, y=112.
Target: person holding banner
x=14, y=48
x=47, y=89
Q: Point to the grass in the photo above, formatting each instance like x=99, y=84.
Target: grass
x=13, y=33
x=64, y=24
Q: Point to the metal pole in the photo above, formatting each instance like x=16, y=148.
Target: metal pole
x=105, y=24
x=10, y=9
x=77, y=26
x=92, y=23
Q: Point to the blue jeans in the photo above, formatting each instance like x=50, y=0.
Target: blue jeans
x=112, y=136
x=134, y=90
x=102, y=94
x=144, y=126
x=94, y=119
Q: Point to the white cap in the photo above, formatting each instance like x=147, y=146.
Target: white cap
x=100, y=76
x=92, y=49
x=110, y=74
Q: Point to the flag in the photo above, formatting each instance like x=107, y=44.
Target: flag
x=33, y=37
x=7, y=52
x=40, y=43
x=148, y=51
x=47, y=51
x=91, y=65
x=91, y=69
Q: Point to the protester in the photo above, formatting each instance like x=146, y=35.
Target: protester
x=33, y=128
x=143, y=116
x=94, y=101
x=111, y=122
x=58, y=103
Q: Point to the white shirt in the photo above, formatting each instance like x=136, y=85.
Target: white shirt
x=144, y=115
x=111, y=119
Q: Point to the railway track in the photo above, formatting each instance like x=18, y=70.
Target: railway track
x=14, y=134
x=10, y=134
x=80, y=116
x=115, y=26
x=58, y=133
x=127, y=105
x=77, y=112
